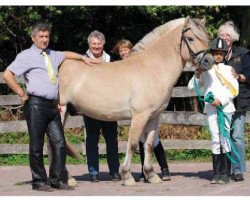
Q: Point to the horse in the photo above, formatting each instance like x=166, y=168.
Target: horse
x=139, y=87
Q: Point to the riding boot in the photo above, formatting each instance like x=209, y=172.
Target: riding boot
x=216, y=168
x=161, y=159
x=225, y=169
x=142, y=156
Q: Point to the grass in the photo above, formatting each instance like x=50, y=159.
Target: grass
x=171, y=155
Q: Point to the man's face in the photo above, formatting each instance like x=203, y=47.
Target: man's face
x=41, y=39
x=96, y=47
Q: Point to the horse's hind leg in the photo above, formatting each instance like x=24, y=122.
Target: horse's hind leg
x=138, y=123
x=148, y=170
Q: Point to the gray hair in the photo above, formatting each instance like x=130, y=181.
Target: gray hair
x=40, y=26
x=230, y=29
x=96, y=34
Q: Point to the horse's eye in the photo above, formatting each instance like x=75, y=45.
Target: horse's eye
x=190, y=39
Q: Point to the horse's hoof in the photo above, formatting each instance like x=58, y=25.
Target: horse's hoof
x=155, y=179
x=129, y=182
x=72, y=182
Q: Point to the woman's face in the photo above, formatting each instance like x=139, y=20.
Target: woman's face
x=227, y=38
x=124, y=52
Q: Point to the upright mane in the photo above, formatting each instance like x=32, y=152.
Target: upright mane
x=196, y=25
x=150, y=38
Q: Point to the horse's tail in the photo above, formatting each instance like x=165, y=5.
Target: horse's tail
x=70, y=150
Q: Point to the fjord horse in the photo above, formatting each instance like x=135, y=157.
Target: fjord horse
x=139, y=87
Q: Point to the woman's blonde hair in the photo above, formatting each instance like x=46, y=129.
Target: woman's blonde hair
x=122, y=43
x=230, y=29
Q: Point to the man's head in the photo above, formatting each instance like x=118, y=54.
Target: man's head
x=96, y=41
x=218, y=48
x=40, y=35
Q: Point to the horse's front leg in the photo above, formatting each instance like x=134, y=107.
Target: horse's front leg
x=148, y=170
x=138, y=123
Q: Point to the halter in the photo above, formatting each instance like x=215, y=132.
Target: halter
x=196, y=56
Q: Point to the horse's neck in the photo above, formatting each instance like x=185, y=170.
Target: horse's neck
x=165, y=58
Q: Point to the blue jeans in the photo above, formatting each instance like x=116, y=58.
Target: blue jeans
x=238, y=138
x=109, y=131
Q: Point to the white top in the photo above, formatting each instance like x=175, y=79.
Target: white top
x=209, y=82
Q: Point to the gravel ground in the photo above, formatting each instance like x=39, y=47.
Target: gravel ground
x=188, y=179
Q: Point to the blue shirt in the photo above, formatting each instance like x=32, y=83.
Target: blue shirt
x=31, y=64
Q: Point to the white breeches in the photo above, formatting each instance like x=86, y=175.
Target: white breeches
x=218, y=140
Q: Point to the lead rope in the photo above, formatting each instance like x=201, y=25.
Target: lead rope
x=222, y=117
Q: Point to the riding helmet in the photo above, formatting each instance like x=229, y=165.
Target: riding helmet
x=218, y=44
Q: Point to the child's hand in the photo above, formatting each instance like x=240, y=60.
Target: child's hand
x=216, y=103
x=198, y=72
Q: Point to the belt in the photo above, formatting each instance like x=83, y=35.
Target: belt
x=42, y=99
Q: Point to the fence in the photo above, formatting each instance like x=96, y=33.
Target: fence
x=167, y=117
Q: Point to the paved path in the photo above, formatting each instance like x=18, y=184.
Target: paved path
x=188, y=179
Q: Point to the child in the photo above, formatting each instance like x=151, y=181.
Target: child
x=220, y=82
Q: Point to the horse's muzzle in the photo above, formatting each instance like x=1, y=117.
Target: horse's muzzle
x=204, y=60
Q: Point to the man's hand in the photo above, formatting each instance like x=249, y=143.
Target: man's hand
x=235, y=74
x=88, y=60
x=238, y=77
x=23, y=96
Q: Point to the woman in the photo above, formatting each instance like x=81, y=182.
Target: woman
x=239, y=59
x=122, y=49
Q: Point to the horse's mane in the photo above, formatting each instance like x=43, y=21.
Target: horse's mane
x=151, y=37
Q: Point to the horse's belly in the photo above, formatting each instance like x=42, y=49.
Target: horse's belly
x=104, y=112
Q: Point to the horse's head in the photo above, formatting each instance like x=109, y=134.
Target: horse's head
x=194, y=44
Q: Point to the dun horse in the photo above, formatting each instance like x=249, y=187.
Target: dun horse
x=139, y=87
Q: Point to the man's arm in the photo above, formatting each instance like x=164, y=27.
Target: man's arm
x=10, y=79
x=77, y=56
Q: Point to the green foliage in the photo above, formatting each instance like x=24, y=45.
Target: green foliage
x=74, y=138
x=20, y=159
x=189, y=155
x=204, y=134
x=14, y=138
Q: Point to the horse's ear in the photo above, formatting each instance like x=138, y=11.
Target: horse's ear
x=187, y=19
x=203, y=21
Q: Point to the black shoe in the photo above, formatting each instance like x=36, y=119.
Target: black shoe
x=94, y=178
x=142, y=178
x=237, y=177
x=224, y=179
x=61, y=186
x=116, y=177
x=42, y=187
x=215, y=179
x=165, y=175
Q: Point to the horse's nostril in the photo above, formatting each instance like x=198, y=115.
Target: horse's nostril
x=207, y=62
